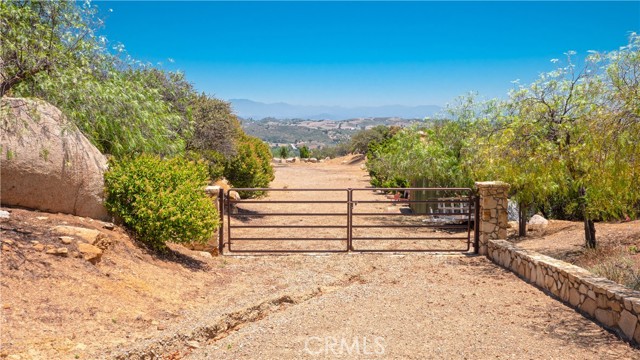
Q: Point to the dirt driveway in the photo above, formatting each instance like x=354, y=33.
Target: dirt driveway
x=410, y=306
x=138, y=305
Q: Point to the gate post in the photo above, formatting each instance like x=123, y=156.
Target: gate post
x=349, y=219
x=493, y=212
x=221, y=213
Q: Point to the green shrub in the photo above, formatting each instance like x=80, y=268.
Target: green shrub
x=251, y=167
x=161, y=200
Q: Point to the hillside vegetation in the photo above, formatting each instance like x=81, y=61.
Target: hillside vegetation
x=126, y=108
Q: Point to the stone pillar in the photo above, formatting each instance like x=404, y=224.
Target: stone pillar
x=493, y=212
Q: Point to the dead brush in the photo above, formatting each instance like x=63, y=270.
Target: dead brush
x=617, y=266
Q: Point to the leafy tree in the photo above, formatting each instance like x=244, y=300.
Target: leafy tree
x=51, y=52
x=361, y=140
x=572, y=136
x=284, y=152
x=42, y=36
x=215, y=126
x=304, y=152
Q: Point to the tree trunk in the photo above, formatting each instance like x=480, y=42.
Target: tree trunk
x=589, y=233
x=522, y=217
x=589, y=226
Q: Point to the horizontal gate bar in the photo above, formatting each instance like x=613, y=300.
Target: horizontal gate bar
x=289, y=251
x=288, y=201
x=288, y=226
x=270, y=189
x=291, y=214
x=411, y=250
x=414, y=189
x=466, y=201
x=411, y=214
x=286, y=238
x=412, y=226
x=410, y=238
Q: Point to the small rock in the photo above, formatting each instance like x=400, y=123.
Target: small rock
x=81, y=347
x=109, y=226
x=62, y=251
x=66, y=239
x=8, y=241
x=91, y=253
x=153, y=322
x=193, y=344
x=88, y=235
x=5, y=247
x=38, y=247
x=35, y=242
x=42, y=217
x=76, y=254
x=205, y=254
x=4, y=214
x=6, y=306
x=161, y=327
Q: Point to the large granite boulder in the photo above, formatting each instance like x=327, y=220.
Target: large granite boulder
x=47, y=163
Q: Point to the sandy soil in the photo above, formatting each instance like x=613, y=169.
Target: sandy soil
x=138, y=304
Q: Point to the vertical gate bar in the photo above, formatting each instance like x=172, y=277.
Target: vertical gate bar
x=349, y=219
x=221, y=214
x=469, y=204
x=476, y=226
x=228, y=211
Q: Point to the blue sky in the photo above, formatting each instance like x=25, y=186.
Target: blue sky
x=364, y=53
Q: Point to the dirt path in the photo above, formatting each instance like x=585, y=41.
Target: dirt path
x=412, y=306
x=135, y=304
x=329, y=217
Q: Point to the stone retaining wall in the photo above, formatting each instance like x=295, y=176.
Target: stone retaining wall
x=610, y=304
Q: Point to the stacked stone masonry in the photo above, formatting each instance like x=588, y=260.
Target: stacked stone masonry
x=493, y=212
x=610, y=304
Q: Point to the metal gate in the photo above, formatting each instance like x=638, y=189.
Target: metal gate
x=344, y=220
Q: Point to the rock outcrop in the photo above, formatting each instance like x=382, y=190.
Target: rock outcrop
x=47, y=163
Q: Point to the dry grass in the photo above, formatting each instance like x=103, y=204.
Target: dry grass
x=617, y=256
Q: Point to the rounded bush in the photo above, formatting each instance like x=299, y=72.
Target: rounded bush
x=161, y=200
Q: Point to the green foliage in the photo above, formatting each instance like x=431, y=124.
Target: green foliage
x=361, y=141
x=119, y=112
x=42, y=36
x=304, y=152
x=162, y=200
x=431, y=153
x=251, y=166
x=215, y=162
x=283, y=152
x=341, y=149
x=51, y=52
x=216, y=128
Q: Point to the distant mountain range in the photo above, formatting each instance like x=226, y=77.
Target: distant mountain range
x=246, y=109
